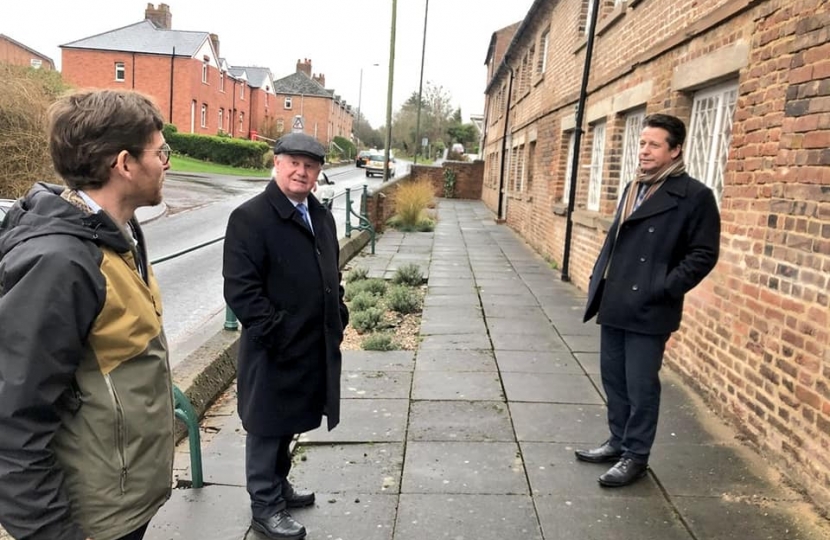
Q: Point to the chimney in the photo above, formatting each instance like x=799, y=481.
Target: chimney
x=161, y=17
x=214, y=38
x=304, y=66
x=321, y=78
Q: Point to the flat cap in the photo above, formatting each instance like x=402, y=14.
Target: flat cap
x=300, y=144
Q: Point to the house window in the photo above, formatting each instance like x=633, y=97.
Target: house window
x=241, y=121
x=120, y=71
x=242, y=91
x=597, y=157
x=280, y=125
x=531, y=157
x=566, y=191
x=204, y=116
x=221, y=82
x=520, y=168
x=711, y=134
x=204, y=72
x=631, y=148
x=542, y=62
x=221, y=119
x=287, y=104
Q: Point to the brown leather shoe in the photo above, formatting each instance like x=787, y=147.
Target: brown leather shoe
x=604, y=454
x=625, y=472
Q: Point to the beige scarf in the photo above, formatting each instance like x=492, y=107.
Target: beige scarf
x=653, y=181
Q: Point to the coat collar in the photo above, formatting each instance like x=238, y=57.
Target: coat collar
x=664, y=199
x=286, y=209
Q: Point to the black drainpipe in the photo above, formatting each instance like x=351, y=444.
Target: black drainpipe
x=504, y=145
x=580, y=113
x=133, y=71
x=172, y=62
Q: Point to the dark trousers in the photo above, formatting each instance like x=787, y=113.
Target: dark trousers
x=630, y=366
x=267, y=462
x=137, y=534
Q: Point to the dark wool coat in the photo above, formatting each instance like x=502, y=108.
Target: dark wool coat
x=283, y=284
x=664, y=249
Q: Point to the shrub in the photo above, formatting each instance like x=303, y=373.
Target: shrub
x=381, y=341
x=356, y=274
x=411, y=200
x=425, y=225
x=224, y=150
x=363, y=301
x=402, y=299
x=375, y=286
x=408, y=274
x=364, y=321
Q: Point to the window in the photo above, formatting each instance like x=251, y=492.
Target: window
x=221, y=119
x=566, y=191
x=711, y=134
x=204, y=72
x=280, y=125
x=241, y=121
x=242, y=91
x=542, y=62
x=531, y=157
x=597, y=157
x=287, y=103
x=221, y=82
x=204, y=115
x=520, y=167
x=120, y=71
x=631, y=148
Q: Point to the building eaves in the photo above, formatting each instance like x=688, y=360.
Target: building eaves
x=145, y=38
x=514, y=43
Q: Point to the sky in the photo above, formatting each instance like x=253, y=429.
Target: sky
x=339, y=38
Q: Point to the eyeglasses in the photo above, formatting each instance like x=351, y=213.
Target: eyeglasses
x=163, y=152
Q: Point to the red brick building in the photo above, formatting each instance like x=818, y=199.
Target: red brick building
x=751, y=78
x=17, y=54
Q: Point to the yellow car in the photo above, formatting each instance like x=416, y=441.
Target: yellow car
x=375, y=166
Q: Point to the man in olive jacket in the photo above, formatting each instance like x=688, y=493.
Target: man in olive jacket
x=282, y=280
x=663, y=242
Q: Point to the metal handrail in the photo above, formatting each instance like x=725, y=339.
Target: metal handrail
x=365, y=224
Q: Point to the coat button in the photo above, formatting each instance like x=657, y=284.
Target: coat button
x=318, y=251
x=328, y=290
x=635, y=287
x=651, y=229
x=642, y=259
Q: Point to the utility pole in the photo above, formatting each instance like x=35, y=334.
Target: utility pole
x=389, y=92
x=421, y=86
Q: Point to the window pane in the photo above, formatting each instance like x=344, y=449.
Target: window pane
x=568, y=169
x=711, y=134
x=631, y=146
x=597, y=157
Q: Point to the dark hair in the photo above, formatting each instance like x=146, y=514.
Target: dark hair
x=672, y=124
x=88, y=128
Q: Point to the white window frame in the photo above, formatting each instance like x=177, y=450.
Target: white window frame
x=520, y=168
x=543, y=51
x=221, y=81
x=597, y=159
x=204, y=72
x=120, y=72
x=221, y=118
x=287, y=103
x=630, y=159
x=566, y=191
x=242, y=91
x=203, y=118
x=710, y=134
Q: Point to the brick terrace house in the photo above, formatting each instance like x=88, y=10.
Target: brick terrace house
x=751, y=78
x=196, y=89
x=17, y=54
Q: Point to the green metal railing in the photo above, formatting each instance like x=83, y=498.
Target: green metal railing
x=364, y=223
x=186, y=413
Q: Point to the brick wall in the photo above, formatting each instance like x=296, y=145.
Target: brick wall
x=14, y=54
x=754, y=340
x=316, y=112
x=468, y=177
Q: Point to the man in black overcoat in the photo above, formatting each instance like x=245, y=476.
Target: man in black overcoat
x=282, y=280
x=663, y=242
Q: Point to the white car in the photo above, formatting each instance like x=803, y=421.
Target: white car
x=5, y=204
x=375, y=166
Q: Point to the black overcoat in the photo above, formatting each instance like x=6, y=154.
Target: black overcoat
x=283, y=284
x=664, y=249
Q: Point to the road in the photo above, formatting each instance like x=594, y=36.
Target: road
x=198, y=210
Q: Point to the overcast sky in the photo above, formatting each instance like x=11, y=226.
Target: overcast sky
x=338, y=37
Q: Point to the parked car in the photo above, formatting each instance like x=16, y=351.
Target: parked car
x=375, y=166
x=324, y=192
x=362, y=158
x=5, y=204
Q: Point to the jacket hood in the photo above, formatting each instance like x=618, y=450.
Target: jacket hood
x=43, y=212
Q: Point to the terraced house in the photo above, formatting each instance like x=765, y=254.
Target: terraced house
x=751, y=79
x=196, y=88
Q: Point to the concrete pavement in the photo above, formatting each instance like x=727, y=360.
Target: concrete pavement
x=472, y=435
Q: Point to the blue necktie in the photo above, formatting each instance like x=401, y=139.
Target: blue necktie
x=304, y=211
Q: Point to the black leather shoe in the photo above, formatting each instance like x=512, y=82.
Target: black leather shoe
x=625, y=472
x=296, y=499
x=280, y=526
x=604, y=454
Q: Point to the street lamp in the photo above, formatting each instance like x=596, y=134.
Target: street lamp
x=359, y=99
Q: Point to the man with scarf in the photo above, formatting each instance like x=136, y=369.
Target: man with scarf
x=662, y=243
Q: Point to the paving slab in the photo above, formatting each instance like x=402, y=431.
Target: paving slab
x=588, y=361
x=513, y=312
x=343, y=468
x=538, y=362
x=465, y=386
x=526, y=299
x=455, y=341
x=365, y=420
x=375, y=384
x=528, y=325
x=463, y=467
x=585, y=425
x=452, y=281
x=378, y=360
x=584, y=518
x=527, y=342
x=460, y=421
x=550, y=388
x=463, y=517
x=211, y=512
x=449, y=314
x=681, y=419
x=345, y=516
x=553, y=470
x=436, y=326
x=582, y=343
x=455, y=360
x=452, y=300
